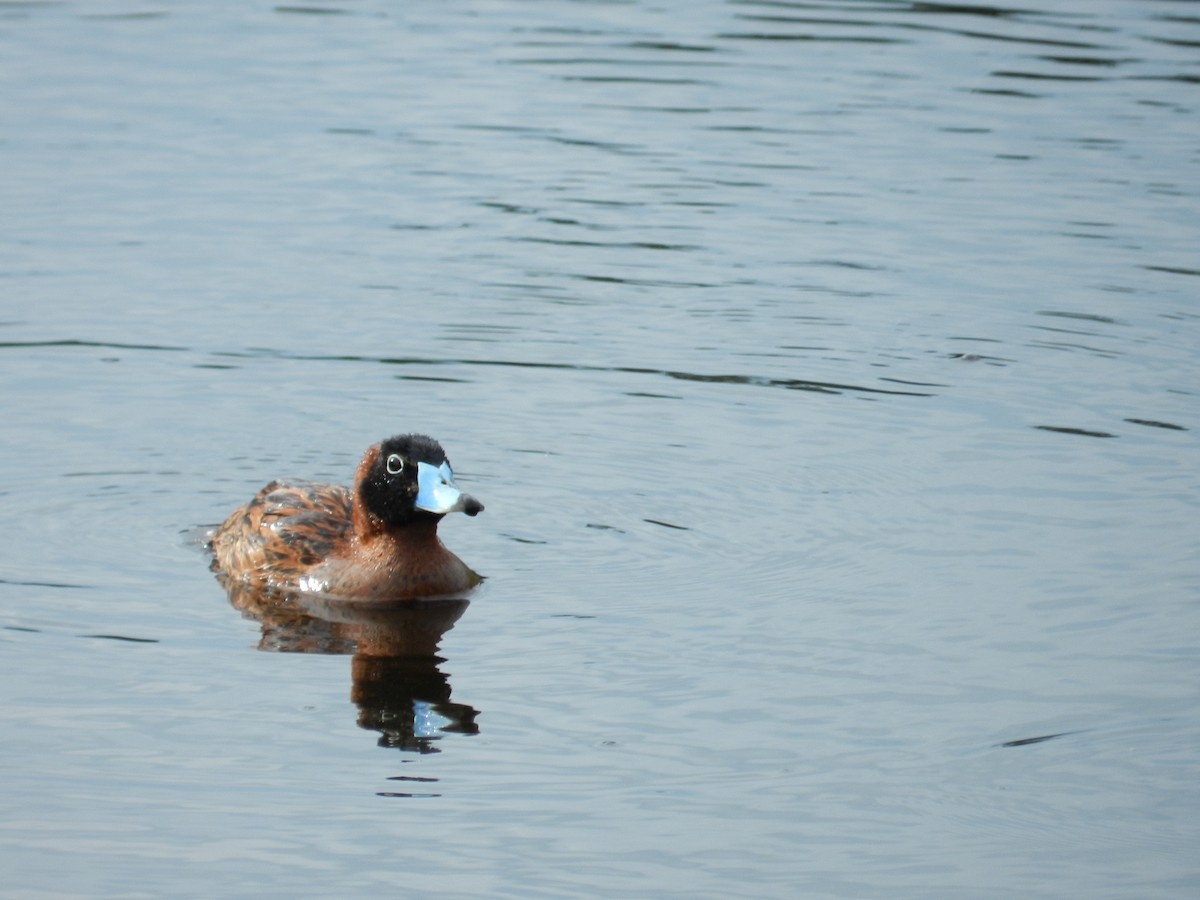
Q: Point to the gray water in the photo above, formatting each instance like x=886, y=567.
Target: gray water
x=829, y=371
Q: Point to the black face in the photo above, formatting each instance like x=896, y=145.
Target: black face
x=390, y=487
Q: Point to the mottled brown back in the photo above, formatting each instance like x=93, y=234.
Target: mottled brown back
x=286, y=529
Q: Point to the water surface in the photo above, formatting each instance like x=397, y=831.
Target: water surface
x=828, y=371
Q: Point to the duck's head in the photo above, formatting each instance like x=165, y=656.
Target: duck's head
x=407, y=478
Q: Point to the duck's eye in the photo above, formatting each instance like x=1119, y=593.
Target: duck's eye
x=395, y=464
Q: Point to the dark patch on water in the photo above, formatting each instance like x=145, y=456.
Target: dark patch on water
x=1059, y=429
x=1151, y=423
x=1040, y=739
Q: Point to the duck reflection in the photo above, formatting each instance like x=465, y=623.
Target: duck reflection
x=397, y=683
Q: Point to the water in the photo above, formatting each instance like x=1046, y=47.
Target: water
x=828, y=371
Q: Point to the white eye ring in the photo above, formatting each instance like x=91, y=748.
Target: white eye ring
x=395, y=464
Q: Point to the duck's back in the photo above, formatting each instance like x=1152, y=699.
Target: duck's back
x=280, y=535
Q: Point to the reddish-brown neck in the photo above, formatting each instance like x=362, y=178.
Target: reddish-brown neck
x=367, y=525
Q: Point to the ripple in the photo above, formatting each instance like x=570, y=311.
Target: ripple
x=1041, y=738
x=1152, y=423
x=1064, y=429
x=312, y=10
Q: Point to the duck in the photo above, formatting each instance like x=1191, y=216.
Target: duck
x=377, y=540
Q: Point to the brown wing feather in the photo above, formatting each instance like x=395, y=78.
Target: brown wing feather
x=289, y=527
